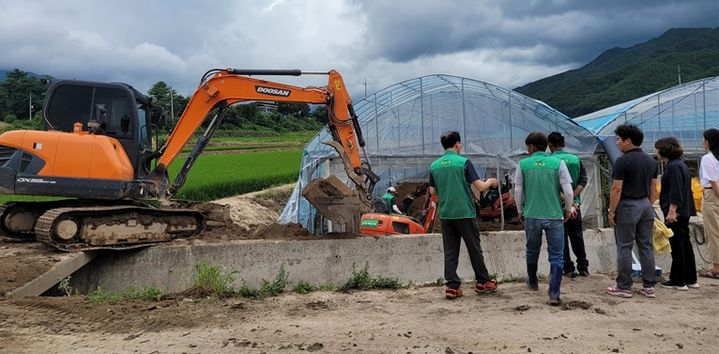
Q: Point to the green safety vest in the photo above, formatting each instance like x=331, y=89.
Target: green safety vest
x=540, y=174
x=573, y=163
x=388, y=200
x=453, y=190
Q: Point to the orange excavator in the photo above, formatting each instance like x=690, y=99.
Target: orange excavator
x=98, y=153
x=383, y=224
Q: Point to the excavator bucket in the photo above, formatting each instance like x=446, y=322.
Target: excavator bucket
x=337, y=201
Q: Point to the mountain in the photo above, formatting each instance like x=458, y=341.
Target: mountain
x=622, y=74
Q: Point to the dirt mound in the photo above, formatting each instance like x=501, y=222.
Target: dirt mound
x=21, y=262
x=283, y=232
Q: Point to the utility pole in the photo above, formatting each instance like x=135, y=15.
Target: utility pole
x=30, y=108
x=172, y=106
x=365, y=86
x=679, y=73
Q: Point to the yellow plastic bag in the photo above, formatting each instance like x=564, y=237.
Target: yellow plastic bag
x=697, y=193
x=661, y=235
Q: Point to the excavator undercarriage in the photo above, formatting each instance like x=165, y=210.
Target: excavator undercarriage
x=81, y=225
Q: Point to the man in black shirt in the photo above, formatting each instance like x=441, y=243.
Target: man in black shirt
x=630, y=210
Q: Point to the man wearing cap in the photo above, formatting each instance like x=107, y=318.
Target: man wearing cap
x=388, y=199
x=573, y=227
x=450, y=178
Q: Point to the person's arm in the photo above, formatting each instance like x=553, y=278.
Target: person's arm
x=565, y=181
x=519, y=192
x=395, y=208
x=616, y=193
x=582, y=180
x=614, y=197
x=674, y=189
x=473, y=178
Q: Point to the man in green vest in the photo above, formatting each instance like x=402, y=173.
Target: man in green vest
x=540, y=181
x=451, y=177
x=573, y=227
x=389, y=201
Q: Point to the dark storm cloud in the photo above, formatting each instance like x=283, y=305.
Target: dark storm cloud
x=550, y=32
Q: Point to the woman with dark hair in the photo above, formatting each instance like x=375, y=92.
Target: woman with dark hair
x=677, y=206
x=709, y=177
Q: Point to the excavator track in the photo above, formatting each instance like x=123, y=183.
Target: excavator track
x=17, y=219
x=114, y=227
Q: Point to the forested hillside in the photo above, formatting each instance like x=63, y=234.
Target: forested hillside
x=622, y=74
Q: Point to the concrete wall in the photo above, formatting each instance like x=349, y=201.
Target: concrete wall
x=417, y=259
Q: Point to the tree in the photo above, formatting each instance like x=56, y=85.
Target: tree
x=16, y=91
x=295, y=108
x=160, y=92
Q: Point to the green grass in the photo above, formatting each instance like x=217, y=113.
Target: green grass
x=217, y=176
x=147, y=294
x=362, y=280
x=209, y=280
x=25, y=198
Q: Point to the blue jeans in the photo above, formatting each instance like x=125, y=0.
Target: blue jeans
x=554, y=229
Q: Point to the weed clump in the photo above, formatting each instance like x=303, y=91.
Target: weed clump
x=304, y=287
x=149, y=293
x=362, y=280
x=211, y=281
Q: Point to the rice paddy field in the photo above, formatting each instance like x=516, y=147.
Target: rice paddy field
x=232, y=166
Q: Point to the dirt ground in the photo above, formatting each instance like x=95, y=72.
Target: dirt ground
x=410, y=320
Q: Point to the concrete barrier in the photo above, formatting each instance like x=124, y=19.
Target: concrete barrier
x=417, y=259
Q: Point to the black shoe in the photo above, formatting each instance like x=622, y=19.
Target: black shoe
x=572, y=274
x=584, y=273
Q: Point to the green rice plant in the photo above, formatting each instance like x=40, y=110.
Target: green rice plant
x=146, y=294
x=211, y=281
x=304, y=287
x=218, y=176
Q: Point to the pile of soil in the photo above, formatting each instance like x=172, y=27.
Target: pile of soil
x=21, y=262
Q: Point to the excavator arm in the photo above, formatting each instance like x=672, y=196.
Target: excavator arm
x=220, y=88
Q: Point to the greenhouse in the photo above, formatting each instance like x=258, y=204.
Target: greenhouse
x=402, y=125
x=683, y=111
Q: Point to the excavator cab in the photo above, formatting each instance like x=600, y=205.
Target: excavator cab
x=113, y=109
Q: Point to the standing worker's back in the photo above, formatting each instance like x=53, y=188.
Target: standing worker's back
x=450, y=178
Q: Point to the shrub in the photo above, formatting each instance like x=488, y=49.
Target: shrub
x=362, y=280
x=210, y=280
x=277, y=286
x=304, y=287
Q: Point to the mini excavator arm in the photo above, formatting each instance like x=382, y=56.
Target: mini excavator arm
x=220, y=88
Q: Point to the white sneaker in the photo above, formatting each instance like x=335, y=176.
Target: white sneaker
x=693, y=286
x=669, y=285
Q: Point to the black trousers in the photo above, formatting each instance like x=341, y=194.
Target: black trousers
x=573, y=235
x=684, y=269
x=453, y=231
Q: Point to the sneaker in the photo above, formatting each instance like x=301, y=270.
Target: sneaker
x=616, y=291
x=489, y=286
x=693, y=286
x=583, y=273
x=669, y=285
x=648, y=292
x=450, y=293
x=572, y=274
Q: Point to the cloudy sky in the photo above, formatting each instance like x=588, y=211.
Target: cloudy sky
x=505, y=42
